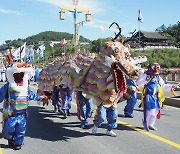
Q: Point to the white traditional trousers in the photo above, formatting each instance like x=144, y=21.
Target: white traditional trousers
x=151, y=116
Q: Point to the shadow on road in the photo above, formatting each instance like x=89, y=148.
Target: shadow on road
x=39, y=125
x=5, y=146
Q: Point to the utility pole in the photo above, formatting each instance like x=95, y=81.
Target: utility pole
x=75, y=10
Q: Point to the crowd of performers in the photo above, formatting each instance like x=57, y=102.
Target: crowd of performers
x=16, y=103
x=150, y=84
x=61, y=98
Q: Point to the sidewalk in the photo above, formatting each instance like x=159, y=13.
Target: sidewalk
x=173, y=82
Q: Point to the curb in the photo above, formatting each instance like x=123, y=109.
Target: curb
x=175, y=102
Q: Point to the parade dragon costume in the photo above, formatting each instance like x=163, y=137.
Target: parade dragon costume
x=16, y=94
x=101, y=78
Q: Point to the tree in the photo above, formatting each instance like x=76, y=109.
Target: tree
x=172, y=31
x=8, y=42
x=161, y=29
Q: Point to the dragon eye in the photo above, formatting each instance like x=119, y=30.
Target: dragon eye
x=158, y=67
x=153, y=67
x=116, y=50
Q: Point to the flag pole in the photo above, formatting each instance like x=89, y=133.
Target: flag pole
x=140, y=19
x=139, y=33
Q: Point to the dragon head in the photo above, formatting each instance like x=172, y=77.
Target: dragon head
x=118, y=56
x=105, y=78
x=18, y=75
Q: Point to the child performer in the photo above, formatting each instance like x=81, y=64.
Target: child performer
x=16, y=94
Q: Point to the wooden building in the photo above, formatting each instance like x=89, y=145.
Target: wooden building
x=151, y=40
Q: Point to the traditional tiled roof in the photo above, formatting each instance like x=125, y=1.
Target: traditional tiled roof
x=153, y=35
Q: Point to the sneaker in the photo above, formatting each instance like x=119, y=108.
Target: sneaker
x=111, y=133
x=94, y=130
x=153, y=128
x=16, y=147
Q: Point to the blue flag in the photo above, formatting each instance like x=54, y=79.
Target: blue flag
x=40, y=51
x=140, y=17
x=30, y=56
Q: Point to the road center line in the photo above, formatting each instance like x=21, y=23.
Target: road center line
x=147, y=133
x=142, y=131
x=150, y=134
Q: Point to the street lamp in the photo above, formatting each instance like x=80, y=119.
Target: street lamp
x=62, y=15
x=75, y=10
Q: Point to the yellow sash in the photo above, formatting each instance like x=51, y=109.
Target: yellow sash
x=161, y=96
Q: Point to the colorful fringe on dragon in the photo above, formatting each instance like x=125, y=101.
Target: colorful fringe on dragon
x=102, y=78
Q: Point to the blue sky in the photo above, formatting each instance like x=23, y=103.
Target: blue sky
x=23, y=18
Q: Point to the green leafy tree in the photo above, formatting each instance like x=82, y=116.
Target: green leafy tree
x=174, y=32
x=161, y=29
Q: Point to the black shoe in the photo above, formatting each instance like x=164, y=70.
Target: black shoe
x=129, y=116
x=10, y=143
x=68, y=114
x=64, y=116
x=55, y=110
x=60, y=111
x=83, y=126
x=16, y=147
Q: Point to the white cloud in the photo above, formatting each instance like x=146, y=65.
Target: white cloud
x=6, y=11
x=93, y=5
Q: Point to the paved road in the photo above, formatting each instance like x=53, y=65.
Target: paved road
x=48, y=132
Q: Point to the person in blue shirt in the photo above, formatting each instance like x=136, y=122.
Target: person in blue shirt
x=153, y=97
x=36, y=75
x=85, y=109
x=131, y=102
x=66, y=98
x=56, y=99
